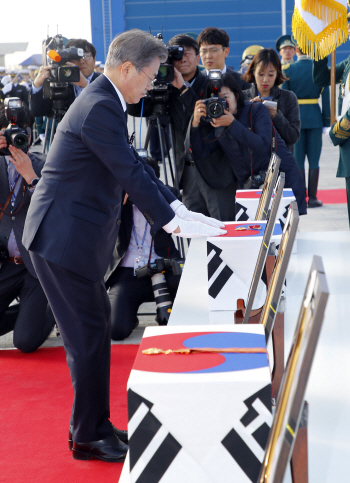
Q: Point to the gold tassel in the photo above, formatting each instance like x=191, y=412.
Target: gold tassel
x=327, y=10
x=319, y=46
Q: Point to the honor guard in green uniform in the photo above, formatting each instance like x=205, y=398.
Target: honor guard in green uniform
x=340, y=131
x=285, y=46
x=312, y=119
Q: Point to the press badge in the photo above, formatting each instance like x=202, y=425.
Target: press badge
x=138, y=263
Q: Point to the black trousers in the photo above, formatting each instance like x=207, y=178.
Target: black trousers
x=31, y=321
x=82, y=311
x=126, y=293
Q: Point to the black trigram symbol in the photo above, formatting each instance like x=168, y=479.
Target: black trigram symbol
x=241, y=214
x=247, y=440
x=150, y=439
x=218, y=271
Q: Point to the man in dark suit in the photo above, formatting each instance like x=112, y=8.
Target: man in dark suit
x=73, y=223
x=41, y=106
x=127, y=292
x=32, y=320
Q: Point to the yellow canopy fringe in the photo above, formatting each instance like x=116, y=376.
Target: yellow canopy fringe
x=327, y=10
x=319, y=46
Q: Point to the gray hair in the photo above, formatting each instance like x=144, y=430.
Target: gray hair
x=135, y=46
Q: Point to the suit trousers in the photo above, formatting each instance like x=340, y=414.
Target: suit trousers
x=82, y=311
x=126, y=293
x=310, y=145
x=31, y=321
x=200, y=197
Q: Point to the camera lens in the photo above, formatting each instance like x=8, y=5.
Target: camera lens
x=215, y=109
x=20, y=141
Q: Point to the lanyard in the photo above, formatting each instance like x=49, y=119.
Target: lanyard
x=143, y=239
x=13, y=197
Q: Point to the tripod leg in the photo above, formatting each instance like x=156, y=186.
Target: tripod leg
x=162, y=150
x=168, y=154
x=53, y=128
x=148, y=134
x=46, y=134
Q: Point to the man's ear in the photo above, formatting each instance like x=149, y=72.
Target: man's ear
x=126, y=68
x=226, y=51
x=197, y=59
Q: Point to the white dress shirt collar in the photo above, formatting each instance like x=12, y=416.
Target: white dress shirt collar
x=120, y=95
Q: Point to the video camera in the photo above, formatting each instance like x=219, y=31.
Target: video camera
x=215, y=105
x=166, y=71
x=55, y=55
x=156, y=271
x=14, y=135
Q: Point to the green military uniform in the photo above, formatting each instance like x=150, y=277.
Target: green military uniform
x=312, y=120
x=285, y=41
x=340, y=131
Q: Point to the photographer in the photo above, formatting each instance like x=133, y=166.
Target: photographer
x=41, y=106
x=241, y=141
x=14, y=89
x=126, y=291
x=19, y=174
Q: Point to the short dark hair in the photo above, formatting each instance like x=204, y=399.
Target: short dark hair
x=229, y=81
x=213, y=36
x=82, y=44
x=266, y=56
x=185, y=40
x=25, y=118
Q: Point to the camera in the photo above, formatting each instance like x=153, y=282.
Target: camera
x=55, y=55
x=14, y=135
x=156, y=271
x=215, y=105
x=256, y=181
x=166, y=71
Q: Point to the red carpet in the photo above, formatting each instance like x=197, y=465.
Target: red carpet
x=36, y=398
x=330, y=197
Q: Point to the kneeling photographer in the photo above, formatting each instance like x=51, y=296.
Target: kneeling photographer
x=31, y=321
x=129, y=285
x=230, y=137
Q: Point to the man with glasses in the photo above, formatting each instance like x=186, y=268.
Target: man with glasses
x=73, y=223
x=41, y=106
x=214, y=49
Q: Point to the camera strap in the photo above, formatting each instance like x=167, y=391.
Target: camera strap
x=3, y=208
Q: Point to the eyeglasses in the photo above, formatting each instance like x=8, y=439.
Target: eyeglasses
x=150, y=79
x=205, y=52
x=86, y=56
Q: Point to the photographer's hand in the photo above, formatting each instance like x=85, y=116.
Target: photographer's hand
x=23, y=164
x=44, y=73
x=178, y=81
x=200, y=110
x=3, y=142
x=225, y=120
x=272, y=111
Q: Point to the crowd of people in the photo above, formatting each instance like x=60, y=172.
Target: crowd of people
x=113, y=212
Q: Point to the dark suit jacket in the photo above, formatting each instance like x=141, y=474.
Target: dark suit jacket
x=42, y=106
x=74, y=216
x=16, y=222
x=163, y=242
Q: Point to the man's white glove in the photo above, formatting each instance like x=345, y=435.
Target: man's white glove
x=325, y=130
x=7, y=88
x=182, y=212
x=191, y=229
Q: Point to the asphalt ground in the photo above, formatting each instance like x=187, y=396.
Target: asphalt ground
x=330, y=217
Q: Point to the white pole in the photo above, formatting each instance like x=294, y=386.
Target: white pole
x=284, y=18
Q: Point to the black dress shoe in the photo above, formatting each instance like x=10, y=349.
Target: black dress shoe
x=122, y=435
x=110, y=449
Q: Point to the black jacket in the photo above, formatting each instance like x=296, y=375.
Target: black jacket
x=238, y=140
x=42, y=106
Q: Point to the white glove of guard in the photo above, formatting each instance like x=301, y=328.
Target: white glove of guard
x=325, y=130
x=187, y=215
x=195, y=229
x=7, y=88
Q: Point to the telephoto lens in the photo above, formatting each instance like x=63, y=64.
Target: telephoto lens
x=162, y=298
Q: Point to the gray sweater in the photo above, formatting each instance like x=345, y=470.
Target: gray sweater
x=287, y=120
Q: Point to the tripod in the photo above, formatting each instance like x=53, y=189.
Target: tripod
x=161, y=119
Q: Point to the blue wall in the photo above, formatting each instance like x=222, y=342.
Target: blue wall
x=246, y=23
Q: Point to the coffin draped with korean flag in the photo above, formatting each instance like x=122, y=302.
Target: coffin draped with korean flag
x=231, y=260
x=199, y=418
